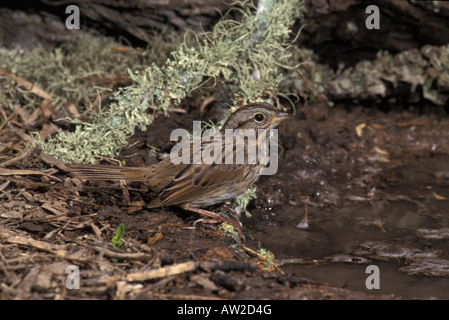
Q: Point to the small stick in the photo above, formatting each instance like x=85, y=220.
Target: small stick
x=163, y=272
x=14, y=160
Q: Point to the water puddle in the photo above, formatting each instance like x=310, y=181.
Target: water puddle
x=403, y=230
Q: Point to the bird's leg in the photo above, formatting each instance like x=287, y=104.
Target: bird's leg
x=216, y=216
x=232, y=211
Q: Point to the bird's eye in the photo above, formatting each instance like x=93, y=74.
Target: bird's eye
x=259, y=117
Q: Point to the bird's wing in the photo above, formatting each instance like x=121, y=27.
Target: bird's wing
x=198, y=181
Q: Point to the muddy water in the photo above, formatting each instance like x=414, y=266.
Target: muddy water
x=376, y=188
x=405, y=234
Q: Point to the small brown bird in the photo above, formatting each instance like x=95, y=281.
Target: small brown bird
x=192, y=186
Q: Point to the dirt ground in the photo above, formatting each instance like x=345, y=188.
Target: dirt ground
x=332, y=159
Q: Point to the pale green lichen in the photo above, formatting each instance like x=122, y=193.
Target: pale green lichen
x=425, y=70
x=226, y=228
x=267, y=259
x=249, y=54
x=74, y=72
x=243, y=200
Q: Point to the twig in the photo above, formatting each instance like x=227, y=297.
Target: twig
x=162, y=272
x=24, y=172
x=7, y=120
x=27, y=84
x=206, y=102
x=261, y=257
x=122, y=255
x=57, y=250
x=14, y=160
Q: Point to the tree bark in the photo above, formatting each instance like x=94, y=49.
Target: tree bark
x=334, y=29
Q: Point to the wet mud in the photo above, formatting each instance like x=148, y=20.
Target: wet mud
x=356, y=187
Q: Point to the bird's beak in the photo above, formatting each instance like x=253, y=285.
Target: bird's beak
x=281, y=116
